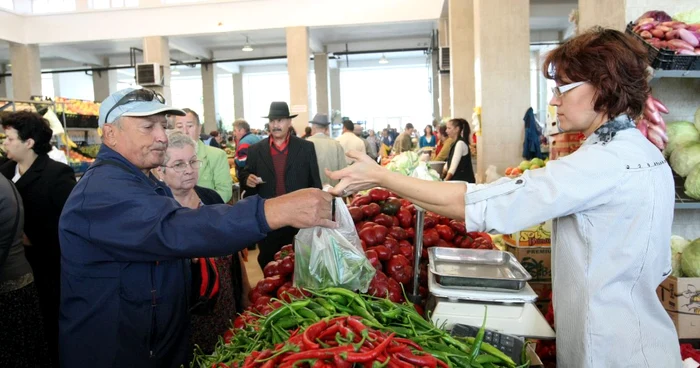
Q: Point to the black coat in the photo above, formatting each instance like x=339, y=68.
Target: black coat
x=301, y=171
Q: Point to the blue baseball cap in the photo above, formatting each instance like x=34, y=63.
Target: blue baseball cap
x=134, y=102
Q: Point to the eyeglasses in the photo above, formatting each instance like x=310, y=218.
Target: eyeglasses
x=137, y=95
x=559, y=91
x=181, y=166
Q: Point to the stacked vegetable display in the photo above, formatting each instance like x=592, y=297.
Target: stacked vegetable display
x=652, y=124
x=659, y=30
x=338, y=328
x=683, y=151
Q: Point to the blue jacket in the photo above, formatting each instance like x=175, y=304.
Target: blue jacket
x=531, y=144
x=125, y=244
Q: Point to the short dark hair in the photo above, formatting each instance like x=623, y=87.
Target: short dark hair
x=612, y=62
x=190, y=111
x=409, y=126
x=442, y=130
x=307, y=130
x=30, y=125
x=214, y=133
x=348, y=125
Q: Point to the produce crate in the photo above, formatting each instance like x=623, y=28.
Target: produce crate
x=680, y=297
x=80, y=121
x=664, y=58
x=532, y=248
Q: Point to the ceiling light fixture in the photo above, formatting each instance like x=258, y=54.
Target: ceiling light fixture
x=383, y=60
x=247, y=47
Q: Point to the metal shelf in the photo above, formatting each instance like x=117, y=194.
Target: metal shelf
x=659, y=73
x=683, y=202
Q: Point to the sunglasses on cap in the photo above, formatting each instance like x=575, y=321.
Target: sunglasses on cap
x=137, y=95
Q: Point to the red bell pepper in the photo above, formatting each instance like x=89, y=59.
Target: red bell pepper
x=378, y=194
x=445, y=232
x=356, y=214
x=384, y=220
x=405, y=218
x=399, y=268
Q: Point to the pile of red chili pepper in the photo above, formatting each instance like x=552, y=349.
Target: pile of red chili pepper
x=342, y=342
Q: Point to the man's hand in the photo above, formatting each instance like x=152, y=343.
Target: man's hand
x=252, y=181
x=300, y=209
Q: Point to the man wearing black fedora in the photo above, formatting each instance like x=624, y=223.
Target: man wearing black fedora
x=279, y=164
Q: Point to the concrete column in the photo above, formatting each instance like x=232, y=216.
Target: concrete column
x=209, y=96
x=502, y=83
x=321, y=72
x=3, y=82
x=157, y=50
x=444, y=78
x=238, y=110
x=335, y=90
x=57, y=85
x=435, y=84
x=104, y=82
x=461, y=35
x=604, y=13
x=298, y=69
x=26, y=70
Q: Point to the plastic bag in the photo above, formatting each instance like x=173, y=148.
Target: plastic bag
x=332, y=257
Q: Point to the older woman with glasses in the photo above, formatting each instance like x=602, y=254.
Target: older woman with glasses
x=180, y=172
x=612, y=203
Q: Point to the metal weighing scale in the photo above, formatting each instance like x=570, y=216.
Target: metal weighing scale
x=461, y=282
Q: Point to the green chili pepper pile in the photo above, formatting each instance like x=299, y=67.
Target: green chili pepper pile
x=316, y=332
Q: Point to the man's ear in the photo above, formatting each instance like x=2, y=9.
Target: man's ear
x=109, y=136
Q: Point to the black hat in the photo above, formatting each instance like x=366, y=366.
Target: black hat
x=279, y=110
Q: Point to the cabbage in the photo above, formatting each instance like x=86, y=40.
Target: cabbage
x=680, y=133
x=697, y=119
x=685, y=158
x=690, y=16
x=692, y=183
x=690, y=260
x=404, y=163
x=678, y=244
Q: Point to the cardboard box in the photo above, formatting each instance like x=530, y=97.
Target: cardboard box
x=680, y=297
x=538, y=235
x=536, y=260
x=542, y=289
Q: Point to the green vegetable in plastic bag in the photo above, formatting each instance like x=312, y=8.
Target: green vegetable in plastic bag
x=332, y=257
x=690, y=16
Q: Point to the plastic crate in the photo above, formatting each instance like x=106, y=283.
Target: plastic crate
x=81, y=121
x=666, y=59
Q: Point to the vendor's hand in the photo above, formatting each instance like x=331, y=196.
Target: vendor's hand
x=252, y=181
x=361, y=175
x=300, y=209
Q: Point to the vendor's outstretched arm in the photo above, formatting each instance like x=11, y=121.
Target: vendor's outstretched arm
x=443, y=198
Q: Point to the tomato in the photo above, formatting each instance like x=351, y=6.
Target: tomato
x=442, y=220
x=270, y=284
x=361, y=201
x=395, y=221
x=398, y=233
x=430, y=237
x=423, y=291
x=384, y=220
x=228, y=335
x=383, y=252
x=405, y=203
x=399, y=268
x=380, y=233
x=429, y=222
x=407, y=251
x=370, y=210
x=411, y=233
x=392, y=244
x=395, y=292
x=423, y=277
x=379, y=286
x=442, y=243
x=286, y=267
x=254, y=295
x=368, y=224
x=445, y=232
x=466, y=242
x=356, y=214
x=368, y=235
x=418, y=309
x=262, y=301
x=272, y=268
x=378, y=194
x=459, y=227
x=405, y=218
x=237, y=323
x=364, y=245
x=391, y=207
x=282, y=289
x=373, y=258
x=265, y=310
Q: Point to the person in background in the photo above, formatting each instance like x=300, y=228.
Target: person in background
x=374, y=142
x=307, y=133
x=22, y=334
x=216, y=139
x=443, y=151
x=369, y=149
x=387, y=138
x=126, y=243
x=214, y=172
x=244, y=139
x=179, y=171
x=442, y=137
x=403, y=141
x=230, y=141
x=329, y=152
x=278, y=165
x=349, y=141
x=459, y=161
x=612, y=202
x=392, y=132
x=44, y=185
x=428, y=140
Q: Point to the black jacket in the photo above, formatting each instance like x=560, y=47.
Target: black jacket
x=208, y=196
x=44, y=189
x=301, y=171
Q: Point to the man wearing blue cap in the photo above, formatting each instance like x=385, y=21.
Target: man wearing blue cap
x=125, y=243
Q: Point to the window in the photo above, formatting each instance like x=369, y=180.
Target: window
x=224, y=100
x=259, y=89
x=52, y=6
x=381, y=96
x=47, y=89
x=187, y=93
x=7, y=4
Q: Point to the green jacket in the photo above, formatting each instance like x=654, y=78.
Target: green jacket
x=214, y=172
